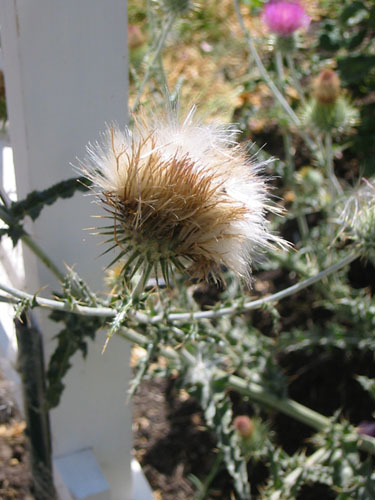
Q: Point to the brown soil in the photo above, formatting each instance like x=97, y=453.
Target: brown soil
x=14, y=466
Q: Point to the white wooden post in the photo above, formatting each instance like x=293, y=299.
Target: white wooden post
x=66, y=75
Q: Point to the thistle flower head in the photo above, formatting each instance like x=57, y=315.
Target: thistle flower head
x=284, y=17
x=180, y=194
x=366, y=428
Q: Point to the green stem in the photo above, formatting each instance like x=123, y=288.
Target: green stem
x=159, y=46
x=211, y=476
x=293, y=73
x=285, y=133
x=285, y=405
x=336, y=188
x=293, y=409
x=302, y=225
x=140, y=286
x=32, y=245
x=176, y=317
x=280, y=69
x=42, y=256
x=291, y=479
x=255, y=304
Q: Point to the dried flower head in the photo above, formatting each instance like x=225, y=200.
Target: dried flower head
x=327, y=86
x=284, y=17
x=180, y=195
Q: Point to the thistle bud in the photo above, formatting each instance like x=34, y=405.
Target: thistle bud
x=329, y=110
x=327, y=87
x=244, y=426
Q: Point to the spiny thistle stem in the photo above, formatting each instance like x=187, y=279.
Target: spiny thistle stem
x=140, y=286
x=291, y=479
x=176, y=317
x=280, y=69
x=131, y=305
x=150, y=67
x=266, y=77
x=285, y=133
x=255, y=304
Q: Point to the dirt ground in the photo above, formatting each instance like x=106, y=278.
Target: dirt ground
x=14, y=464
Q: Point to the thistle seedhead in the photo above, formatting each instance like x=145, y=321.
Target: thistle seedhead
x=179, y=195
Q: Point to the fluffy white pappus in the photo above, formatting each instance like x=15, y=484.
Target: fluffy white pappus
x=183, y=194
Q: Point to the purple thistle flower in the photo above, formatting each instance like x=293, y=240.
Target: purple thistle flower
x=367, y=428
x=284, y=17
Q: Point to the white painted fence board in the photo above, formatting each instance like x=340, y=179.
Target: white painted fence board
x=66, y=76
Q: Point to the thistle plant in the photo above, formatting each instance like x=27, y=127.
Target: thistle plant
x=183, y=201
x=329, y=113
